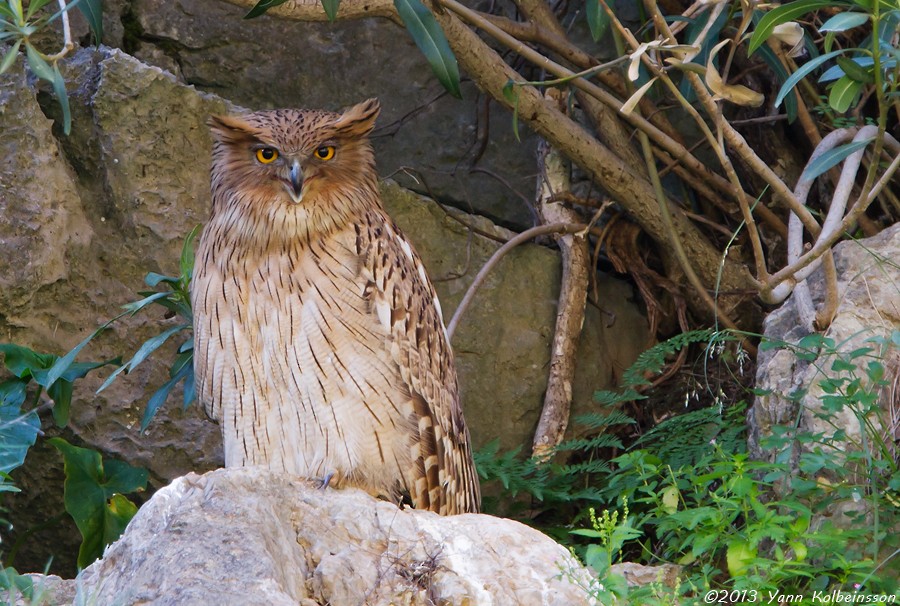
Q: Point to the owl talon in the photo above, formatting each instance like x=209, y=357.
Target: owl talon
x=325, y=481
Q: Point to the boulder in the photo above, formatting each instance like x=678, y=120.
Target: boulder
x=248, y=536
x=92, y=213
x=791, y=385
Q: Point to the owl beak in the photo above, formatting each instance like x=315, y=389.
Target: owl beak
x=296, y=189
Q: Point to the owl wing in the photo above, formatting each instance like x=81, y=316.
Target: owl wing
x=404, y=301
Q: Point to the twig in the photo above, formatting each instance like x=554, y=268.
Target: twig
x=68, y=45
x=528, y=234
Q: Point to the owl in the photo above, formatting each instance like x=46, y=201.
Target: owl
x=319, y=344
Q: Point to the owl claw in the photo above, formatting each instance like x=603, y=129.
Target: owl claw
x=324, y=481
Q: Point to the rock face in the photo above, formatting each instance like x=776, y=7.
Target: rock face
x=869, y=308
x=87, y=216
x=247, y=537
x=267, y=62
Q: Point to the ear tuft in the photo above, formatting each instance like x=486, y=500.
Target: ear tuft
x=229, y=129
x=359, y=120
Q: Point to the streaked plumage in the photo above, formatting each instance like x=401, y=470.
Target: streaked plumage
x=319, y=343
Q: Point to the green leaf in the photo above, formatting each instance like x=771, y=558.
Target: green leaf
x=802, y=72
x=24, y=362
x=187, y=255
x=843, y=93
x=59, y=89
x=855, y=71
x=597, y=18
x=12, y=582
x=18, y=430
x=510, y=94
x=162, y=394
x=832, y=157
x=61, y=393
x=93, y=12
x=782, y=14
x=37, y=63
x=90, y=493
x=836, y=71
x=136, y=306
x=262, y=6
x=147, y=348
x=63, y=364
x=430, y=39
x=844, y=21
x=153, y=279
x=331, y=8
x=10, y=57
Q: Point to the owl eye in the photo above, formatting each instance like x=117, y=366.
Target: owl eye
x=266, y=155
x=326, y=152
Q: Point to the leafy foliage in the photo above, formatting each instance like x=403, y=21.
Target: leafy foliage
x=94, y=498
x=686, y=491
x=19, y=24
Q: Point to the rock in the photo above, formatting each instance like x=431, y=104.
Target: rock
x=868, y=309
x=640, y=575
x=249, y=536
x=114, y=201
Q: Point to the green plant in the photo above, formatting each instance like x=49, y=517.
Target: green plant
x=686, y=492
x=20, y=23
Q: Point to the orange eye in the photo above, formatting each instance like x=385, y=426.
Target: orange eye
x=267, y=155
x=326, y=152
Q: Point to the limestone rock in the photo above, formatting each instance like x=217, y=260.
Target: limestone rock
x=97, y=210
x=867, y=284
x=248, y=536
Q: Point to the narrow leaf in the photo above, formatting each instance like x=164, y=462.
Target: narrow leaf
x=510, y=94
x=62, y=364
x=37, y=63
x=855, y=71
x=187, y=254
x=93, y=12
x=597, y=18
x=430, y=39
x=136, y=306
x=153, y=279
x=842, y=94
x=10, y=56
x=832, y=158
x=836, y=72
x=262, y=6
x=331, y=8
x=801, y=73
x=162, y=394
x=634, y=99
x=782, y=14
x=844, y=21
x=59, y=89
x=149, y=346
x=61, y=394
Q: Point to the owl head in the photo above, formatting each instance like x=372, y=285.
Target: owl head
x=293, y=157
